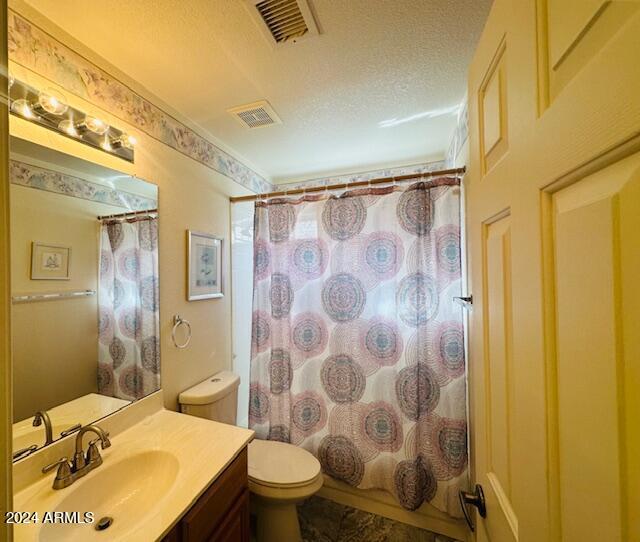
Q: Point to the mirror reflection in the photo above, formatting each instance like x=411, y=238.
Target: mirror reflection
x=85, y=289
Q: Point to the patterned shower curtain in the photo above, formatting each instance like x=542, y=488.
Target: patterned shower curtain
x=128, y=301
x=357, y=346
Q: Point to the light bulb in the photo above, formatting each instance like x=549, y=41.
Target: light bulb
x=95, y=125
x=125, y=141
x=23, y=108
x=52, y=102
x=68, y=127
x=106, y=145
x=132, y=141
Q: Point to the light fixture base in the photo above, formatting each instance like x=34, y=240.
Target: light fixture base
x=21, y=93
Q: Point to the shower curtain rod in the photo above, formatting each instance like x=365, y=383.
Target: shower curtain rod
x=379, y=180
x=130, y=213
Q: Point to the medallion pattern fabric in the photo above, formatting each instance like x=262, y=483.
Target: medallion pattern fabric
x=128, y=309
x=357, y=346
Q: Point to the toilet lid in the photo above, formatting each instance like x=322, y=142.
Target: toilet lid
x=279, y=464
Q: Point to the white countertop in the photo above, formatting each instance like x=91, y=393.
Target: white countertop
x=202, y=448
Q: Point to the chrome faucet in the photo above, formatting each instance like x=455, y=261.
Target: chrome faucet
x=42, y=416
x=69, y=472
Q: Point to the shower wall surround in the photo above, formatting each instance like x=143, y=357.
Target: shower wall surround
x=36, y=50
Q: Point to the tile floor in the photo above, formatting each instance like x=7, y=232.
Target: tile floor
x=322, y=520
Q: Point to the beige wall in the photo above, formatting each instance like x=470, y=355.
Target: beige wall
x=191, y=196
x=189, y=200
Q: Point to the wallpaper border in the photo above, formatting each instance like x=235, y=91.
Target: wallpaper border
x=36, y=50
x=30, y=176
x=425, y=167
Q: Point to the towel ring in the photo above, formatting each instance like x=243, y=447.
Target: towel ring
x=177, y=322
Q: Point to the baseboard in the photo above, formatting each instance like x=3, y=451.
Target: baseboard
x=381, y=503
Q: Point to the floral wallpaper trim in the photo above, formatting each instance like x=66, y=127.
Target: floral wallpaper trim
x=459, y=135
x=23, y=174
x=36, y=50
x=365, y=176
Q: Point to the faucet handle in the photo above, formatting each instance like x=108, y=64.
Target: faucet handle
x=64, y=469
x=69, y=430
x=64, y=477
x=24, y=452
x=93, y=454
x=104, y=442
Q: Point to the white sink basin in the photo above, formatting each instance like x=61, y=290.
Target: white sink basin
x=126, y=491
x=150, y=476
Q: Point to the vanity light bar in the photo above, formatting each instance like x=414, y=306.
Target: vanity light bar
x=48, y=108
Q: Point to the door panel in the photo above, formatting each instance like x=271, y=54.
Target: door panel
x=586, y=366
x=553, y=223
x=587, y=370
x=568, y=21
x=571, y=32
x=497, y=376
x=492, y=105
x=627, y=311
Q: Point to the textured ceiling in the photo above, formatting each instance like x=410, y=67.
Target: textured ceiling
x=377, y=88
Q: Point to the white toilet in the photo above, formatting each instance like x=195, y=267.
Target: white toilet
x=281, y=475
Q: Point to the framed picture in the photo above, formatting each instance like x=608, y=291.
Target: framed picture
x=204, y=270
x=50, y=262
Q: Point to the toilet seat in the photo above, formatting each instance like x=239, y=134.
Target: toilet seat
x=281, y=465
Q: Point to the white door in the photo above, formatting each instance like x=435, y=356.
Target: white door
x=553, y=210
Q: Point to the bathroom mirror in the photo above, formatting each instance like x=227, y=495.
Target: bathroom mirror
x=85, y=293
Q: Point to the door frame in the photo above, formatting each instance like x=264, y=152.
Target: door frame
x=5, y=290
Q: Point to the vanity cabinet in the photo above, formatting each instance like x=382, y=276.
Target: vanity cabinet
x=221, y=514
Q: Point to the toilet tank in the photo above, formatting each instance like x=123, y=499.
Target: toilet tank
x=215, y=398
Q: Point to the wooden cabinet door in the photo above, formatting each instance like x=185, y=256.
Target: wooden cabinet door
x=215, y=506
x=553, y=217
x=236, y=527
x=222, y=511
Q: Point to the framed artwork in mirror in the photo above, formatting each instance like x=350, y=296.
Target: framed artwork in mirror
x=50, y=262
x=204, y=266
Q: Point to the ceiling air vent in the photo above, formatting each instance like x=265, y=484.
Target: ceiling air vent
x=255, y=115
x=285, y=20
